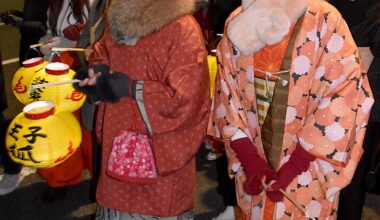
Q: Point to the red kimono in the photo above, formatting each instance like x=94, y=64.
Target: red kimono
x=169, y=59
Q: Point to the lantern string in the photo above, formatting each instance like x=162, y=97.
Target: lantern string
x=42, y=85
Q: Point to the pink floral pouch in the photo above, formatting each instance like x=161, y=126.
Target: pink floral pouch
x=131, y=159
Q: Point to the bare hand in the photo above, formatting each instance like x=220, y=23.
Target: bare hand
x=91, y=80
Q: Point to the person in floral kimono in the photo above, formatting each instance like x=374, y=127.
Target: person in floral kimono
x=292, y=102
x=150, y=66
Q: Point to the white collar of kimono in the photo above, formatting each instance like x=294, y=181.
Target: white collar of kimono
x=263, y=22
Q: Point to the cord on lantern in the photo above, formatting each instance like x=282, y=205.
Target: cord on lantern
x=32, y=49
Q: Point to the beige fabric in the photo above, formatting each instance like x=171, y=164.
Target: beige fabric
x=367, y=57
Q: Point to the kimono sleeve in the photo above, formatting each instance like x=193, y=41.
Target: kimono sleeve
x=228, y=113
x=341, y=100
x=173, y=105
x=176, y=106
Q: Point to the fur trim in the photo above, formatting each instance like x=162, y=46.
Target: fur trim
x=263, y=22
x=138, y=18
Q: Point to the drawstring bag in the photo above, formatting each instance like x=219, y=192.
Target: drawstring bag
x=131, y=158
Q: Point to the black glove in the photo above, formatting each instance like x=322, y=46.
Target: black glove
x=112, y=87
x=35, y=28
x=82, y=74
x=12, y=17
x=108, y=87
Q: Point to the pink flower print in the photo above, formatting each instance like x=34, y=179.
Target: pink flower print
x=280, y=211
x=313, y=209
x=221, y=111
x=252, y=119
x=305, y=178
x=335, y=44
x=291, y=114
x=335, y=132
x=366, y=105
x=319, y=72
x=301, y=65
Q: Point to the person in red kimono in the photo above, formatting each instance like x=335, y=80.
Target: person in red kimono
x=150, y=60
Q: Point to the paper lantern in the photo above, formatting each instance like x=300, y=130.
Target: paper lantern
x=23, y=76
x=64, y=96
x=40, y=137
x=212, y=68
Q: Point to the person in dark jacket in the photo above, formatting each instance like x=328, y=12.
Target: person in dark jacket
x=363, y=19
x=90, y=34
x=12, y=176
x=31, y=23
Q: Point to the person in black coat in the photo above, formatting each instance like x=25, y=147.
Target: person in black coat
x=31, y=23
x=12, y=176
x=363, y=18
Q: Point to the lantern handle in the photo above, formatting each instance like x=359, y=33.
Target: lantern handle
x=37, y=86
x=54, y=53
x=37, y=45
x=32, y=49
x=64, y=49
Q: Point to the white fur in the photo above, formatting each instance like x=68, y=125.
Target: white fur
x=263, y=22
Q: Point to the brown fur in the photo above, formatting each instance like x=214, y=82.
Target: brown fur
x=138, y=18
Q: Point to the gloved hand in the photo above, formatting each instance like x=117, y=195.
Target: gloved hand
x=298, y=162
x=112, y=87
x=83, y=75
x=12, y=17
x=100, y=84
x=50, y=43
x=255, y=167
x=72, y=32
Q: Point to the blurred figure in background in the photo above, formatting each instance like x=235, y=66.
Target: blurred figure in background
x=211, y=16
x=31, y=23
x=90, y=34
x=12, y=176
x=66, y=19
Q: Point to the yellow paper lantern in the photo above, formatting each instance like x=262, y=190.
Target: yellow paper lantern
x=41, y=138
x=212, y=68
x=64, y=96
x=23, y=76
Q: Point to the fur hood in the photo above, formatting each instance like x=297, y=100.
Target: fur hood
x=263, y=22
x=137, y=18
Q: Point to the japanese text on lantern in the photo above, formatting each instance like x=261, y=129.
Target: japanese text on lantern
x=35, y=94
x=25, y=152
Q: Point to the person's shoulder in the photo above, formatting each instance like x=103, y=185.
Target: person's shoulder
x=184, y=22
x=184, y=25
x=324, y=8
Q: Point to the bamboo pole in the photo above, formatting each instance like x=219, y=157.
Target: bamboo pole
x=33, y=87
x=71, y=49
x=37, y=45
x=295, y=203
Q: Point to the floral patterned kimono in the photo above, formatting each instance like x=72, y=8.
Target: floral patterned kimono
x=329, y=100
